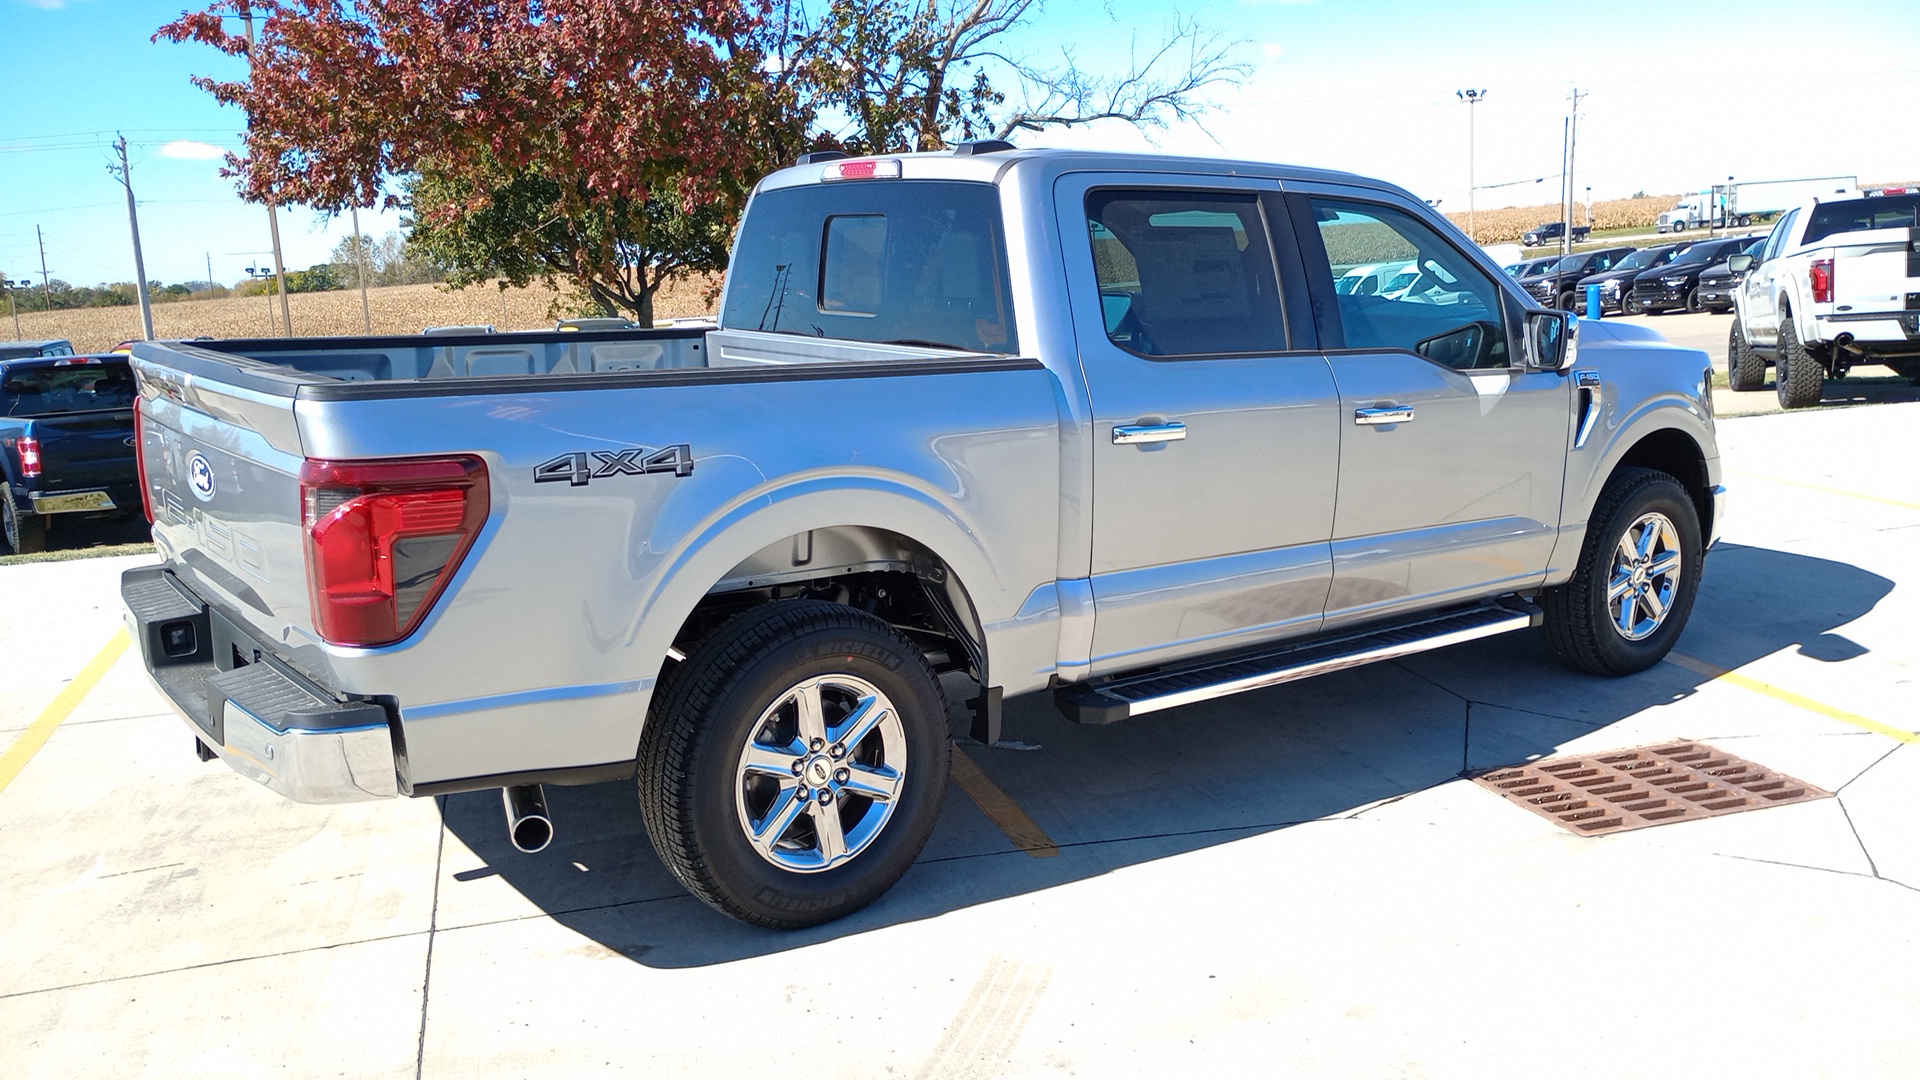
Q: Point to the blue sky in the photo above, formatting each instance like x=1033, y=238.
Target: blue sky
x=1762, y=89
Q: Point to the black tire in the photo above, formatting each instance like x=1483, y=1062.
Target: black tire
x=26, y=534
x=1581, y=623
x=1746, y=369
x=697, y=795
x=1628, y=304
x=1693, y=302
x=1797, y=375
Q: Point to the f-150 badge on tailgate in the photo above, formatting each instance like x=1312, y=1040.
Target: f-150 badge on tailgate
x=585, y=466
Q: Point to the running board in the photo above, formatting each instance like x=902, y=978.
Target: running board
x=1167, y=688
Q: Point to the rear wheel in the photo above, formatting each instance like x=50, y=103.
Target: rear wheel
x=26, y=533
x=1746, y=369
x=1639, y=569
x=795, y=764
x=1797, y=375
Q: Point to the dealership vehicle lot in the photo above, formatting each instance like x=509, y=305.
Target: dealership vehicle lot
x=1294, y=881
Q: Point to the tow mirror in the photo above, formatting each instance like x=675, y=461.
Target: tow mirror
x=1740, y=264
x=1552, y=340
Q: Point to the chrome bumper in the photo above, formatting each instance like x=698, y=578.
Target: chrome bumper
x=265, y=720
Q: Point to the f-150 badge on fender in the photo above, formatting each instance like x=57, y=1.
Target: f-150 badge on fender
x=588, y=465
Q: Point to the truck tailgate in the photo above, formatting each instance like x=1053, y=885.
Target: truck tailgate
x=1872, y=271
x=85, y=450
x=222, y=464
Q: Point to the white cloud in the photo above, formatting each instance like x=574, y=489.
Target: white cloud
x=188, y=150
x=1272, y=50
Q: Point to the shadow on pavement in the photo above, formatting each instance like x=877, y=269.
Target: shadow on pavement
x=1190, y=778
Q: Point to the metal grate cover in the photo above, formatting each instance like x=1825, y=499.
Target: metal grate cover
x=1611, y=792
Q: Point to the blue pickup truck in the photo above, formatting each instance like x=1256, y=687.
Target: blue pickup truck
x=66, y=443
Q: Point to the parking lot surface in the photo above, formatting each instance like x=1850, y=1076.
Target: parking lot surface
x=1297, y=881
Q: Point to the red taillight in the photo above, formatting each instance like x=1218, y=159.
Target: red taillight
x=384, y=538
x=29, y=448
x=1820, y=276
x=140, y=457
x=863, y=169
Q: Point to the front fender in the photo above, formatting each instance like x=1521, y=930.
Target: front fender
x=1654, y=410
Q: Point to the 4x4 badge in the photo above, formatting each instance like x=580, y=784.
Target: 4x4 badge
x=588, y=465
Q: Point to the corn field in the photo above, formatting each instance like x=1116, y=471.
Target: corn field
x=1506, y=224
x=396, y=309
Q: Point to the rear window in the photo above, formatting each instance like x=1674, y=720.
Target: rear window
x=911, y=262
x=1861, y=215
x=47, y=390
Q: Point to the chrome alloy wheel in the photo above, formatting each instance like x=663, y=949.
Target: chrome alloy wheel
x=821, y=773
x=1646, y=574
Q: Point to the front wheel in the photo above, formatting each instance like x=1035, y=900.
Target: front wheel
x=1630, y=305
x=793, y=767
x=1633, y=589
x=26, y=533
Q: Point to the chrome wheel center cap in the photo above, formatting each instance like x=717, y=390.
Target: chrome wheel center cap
x=818, y=771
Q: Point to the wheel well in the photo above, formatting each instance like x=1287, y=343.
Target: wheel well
x=1676, y=454
x=877, y=571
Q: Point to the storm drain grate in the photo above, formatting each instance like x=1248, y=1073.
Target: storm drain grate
x=1612, y=792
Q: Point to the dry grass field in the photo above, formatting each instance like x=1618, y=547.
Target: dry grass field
x=397, y=309
x=1505, y=225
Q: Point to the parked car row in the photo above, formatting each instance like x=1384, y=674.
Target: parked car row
x=1633, y=281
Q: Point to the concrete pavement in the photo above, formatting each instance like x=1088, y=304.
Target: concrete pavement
x=1291, y=882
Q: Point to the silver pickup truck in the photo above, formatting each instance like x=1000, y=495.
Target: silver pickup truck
x=1093, y=425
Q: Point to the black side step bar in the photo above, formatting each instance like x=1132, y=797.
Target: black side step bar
x=1167, y=688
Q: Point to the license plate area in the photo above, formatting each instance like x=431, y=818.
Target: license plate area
x=72, y=502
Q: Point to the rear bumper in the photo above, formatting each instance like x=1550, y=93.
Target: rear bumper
x=268, y=722
x=1888, y=332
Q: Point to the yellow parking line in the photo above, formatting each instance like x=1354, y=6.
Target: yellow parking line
x=1828, y=490
x=36, y=736
x=1006, y=815
x=1720, y=674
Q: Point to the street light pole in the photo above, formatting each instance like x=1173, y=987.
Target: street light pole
x=1472, y=98
x=13, y=305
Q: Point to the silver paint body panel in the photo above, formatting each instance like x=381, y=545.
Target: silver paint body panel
x=1274, y=517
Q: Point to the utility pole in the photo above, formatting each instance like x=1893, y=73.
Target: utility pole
x=273, y=214
x=13, y=304
x=360, y=271
x=46, y=290
x=1573, y=141
x=209, y=275
x=125, y=176
x=1472, y=98
x=261, y=273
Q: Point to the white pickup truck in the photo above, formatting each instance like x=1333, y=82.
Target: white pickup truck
x=1836, y=284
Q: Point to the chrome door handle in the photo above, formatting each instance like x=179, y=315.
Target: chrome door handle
x=1390, y=414
x=1131, y=434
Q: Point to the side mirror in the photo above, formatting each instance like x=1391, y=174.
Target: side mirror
x=1552, y=340
x=1740, y=264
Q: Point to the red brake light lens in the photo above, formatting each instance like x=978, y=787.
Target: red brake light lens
x=29, y=449
x=863, y=169
x=1820, y=276
x=140, y=456
x=384, y=538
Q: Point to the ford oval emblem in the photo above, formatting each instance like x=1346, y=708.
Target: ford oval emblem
x=200, y=476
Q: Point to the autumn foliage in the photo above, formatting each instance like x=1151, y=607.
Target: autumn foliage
x=560, y=110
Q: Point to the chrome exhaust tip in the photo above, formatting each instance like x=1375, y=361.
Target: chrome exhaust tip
x=529, y=825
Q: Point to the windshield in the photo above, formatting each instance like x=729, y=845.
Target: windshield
x=48, y=390
x=1640, y=260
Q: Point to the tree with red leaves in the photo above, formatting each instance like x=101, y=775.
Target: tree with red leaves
x=605, y=142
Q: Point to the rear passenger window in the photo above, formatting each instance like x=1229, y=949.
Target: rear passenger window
x=1436, y=302
x=1185, y=273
